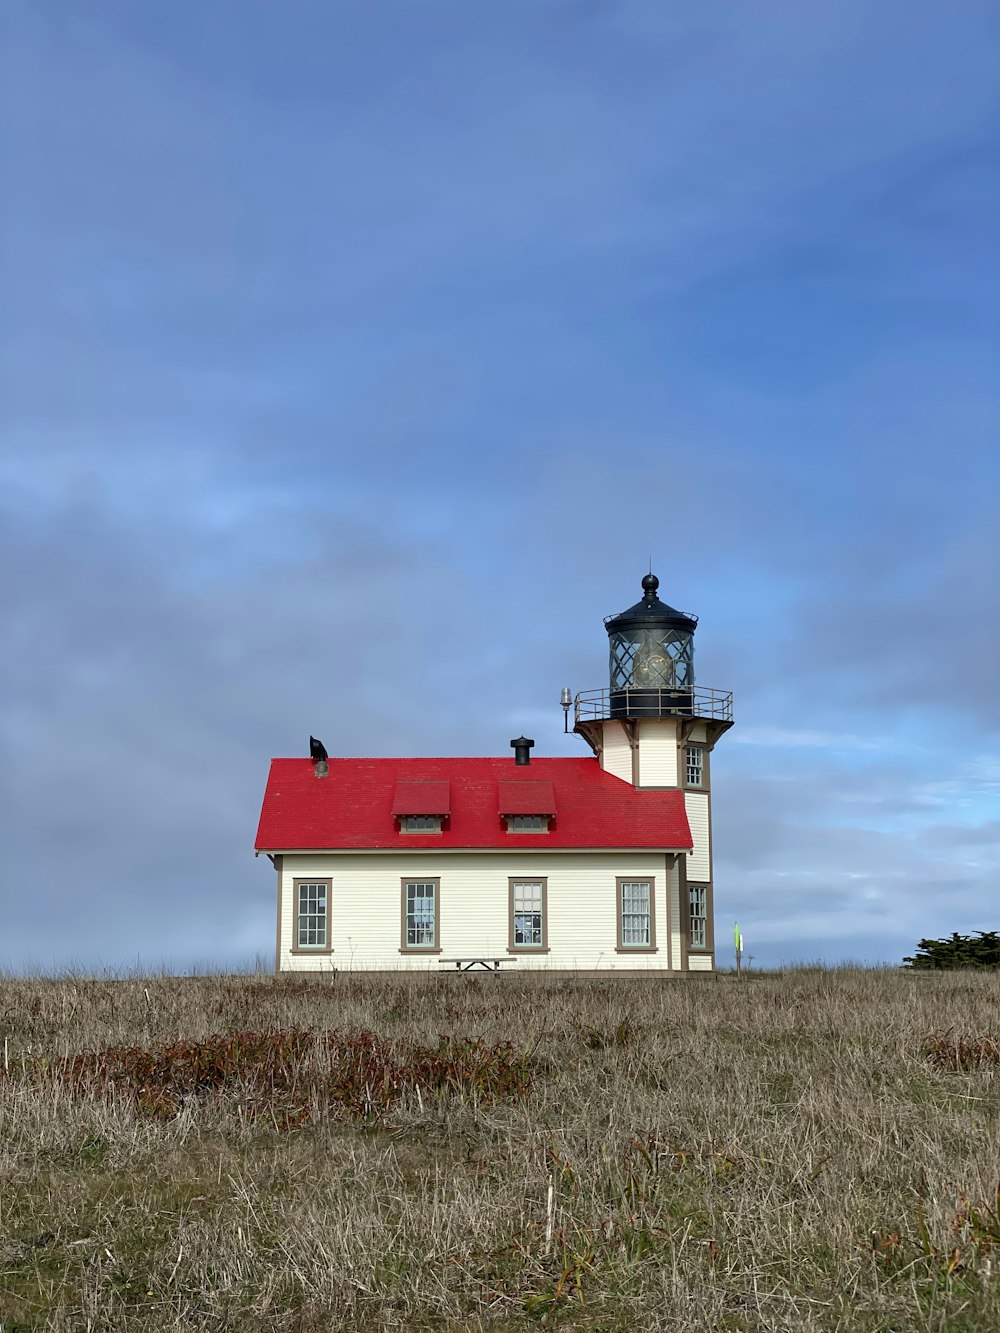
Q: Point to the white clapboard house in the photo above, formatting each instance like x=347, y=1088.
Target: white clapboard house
x=598, y=862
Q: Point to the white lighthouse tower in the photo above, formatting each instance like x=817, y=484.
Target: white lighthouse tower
x=653, y=727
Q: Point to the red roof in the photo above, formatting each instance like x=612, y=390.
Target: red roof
x=527, y=796
x=352, y=808
x=422, y=798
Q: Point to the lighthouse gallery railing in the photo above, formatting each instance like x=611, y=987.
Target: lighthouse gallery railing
x=699, y=701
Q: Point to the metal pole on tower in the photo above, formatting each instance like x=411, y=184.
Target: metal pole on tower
x=566, y=699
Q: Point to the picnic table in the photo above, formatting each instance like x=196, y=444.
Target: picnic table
x=467, y=964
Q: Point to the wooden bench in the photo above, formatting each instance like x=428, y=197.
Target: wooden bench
x=467, y=964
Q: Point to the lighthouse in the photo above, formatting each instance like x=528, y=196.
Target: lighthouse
x=654, y=727
x=521, y=861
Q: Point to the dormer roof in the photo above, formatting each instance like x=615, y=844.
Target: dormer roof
x=527, y=796
x=430, y=796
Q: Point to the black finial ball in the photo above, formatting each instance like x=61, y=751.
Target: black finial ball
x=650, y=583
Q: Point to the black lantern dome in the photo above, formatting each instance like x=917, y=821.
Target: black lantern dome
x=651, y=657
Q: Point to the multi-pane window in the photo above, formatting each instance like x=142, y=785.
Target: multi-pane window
x=528, y=905
x=312, y=921
x=420, y=823
x=698, y=915
x=420, y=914
x=527, y=824
x=694, y=765
x=636, y=913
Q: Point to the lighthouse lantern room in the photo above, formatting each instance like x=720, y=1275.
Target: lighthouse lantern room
x=651, y=676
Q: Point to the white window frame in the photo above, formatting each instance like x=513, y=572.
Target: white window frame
x=694, y=765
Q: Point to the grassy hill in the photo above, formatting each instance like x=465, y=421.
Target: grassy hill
x=813, y=1150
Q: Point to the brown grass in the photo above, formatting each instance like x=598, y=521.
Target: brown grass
x=818, y=1150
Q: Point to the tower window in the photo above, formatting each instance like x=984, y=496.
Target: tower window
x=694, y=765
x=421, y=925
x=698, y=916
x=527, y=823
x=636, y=926
x=528, y=926
x=420, y=824
x=312, y=916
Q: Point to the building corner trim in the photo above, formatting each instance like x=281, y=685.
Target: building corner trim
x=278, y=861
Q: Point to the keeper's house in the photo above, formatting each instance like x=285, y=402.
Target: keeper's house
x=602, y=862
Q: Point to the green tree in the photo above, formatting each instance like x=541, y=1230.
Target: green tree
x=957, y=951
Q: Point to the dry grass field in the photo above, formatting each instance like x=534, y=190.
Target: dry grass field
x=813, y=1150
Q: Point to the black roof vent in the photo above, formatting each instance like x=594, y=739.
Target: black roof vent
x=522, y=751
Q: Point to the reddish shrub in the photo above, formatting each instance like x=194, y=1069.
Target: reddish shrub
x=292, y=1075
x=946, y=1051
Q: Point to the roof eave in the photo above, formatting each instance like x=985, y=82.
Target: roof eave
x=530, y=842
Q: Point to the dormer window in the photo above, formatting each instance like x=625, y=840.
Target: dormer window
x=420, y=823
x=421, y=806
x=527, y=823
x=527, y=805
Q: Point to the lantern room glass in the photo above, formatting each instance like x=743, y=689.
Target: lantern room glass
x=652, y=658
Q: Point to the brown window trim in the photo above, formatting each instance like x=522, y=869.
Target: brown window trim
x=709, y=946
x=315, y=949
x=651, y=947
x=528, y=948
x=706, y=770
x=420, y=948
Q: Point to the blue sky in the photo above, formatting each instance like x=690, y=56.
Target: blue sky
x=355, y=360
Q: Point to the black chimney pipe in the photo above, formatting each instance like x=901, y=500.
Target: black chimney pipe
x=522, y=751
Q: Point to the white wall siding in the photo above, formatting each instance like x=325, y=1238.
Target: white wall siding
x=616, y=753
x=657, y=753
x=674, y=903
x=699, y=861
x=698, y=734
x=473, y=907
x=700, y=962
